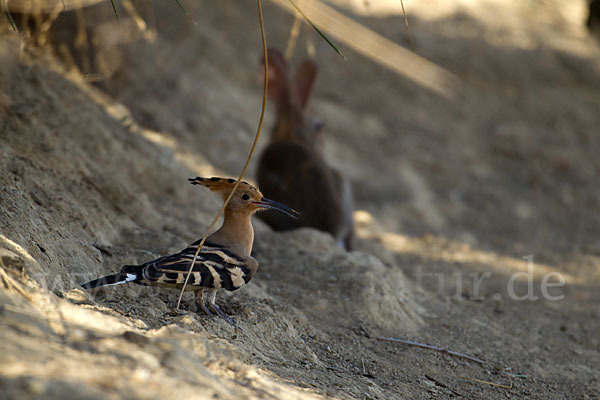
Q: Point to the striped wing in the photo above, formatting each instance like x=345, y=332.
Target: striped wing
x=215, y=267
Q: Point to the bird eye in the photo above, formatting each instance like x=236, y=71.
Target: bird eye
x=245, y=196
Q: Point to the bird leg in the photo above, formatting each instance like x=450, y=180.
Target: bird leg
x=200, y=295
x=212, y=305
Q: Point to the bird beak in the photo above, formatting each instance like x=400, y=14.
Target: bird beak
x=273, y=205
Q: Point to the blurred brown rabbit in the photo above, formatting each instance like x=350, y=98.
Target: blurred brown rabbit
x=292, y=169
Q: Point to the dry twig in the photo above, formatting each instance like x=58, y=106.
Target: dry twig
x=488, y=383
x=10, y=283
x=435, y=348
x=442, y=385
x=412, y=43
x=294, y=31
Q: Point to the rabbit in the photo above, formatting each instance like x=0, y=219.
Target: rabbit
x=292, y=169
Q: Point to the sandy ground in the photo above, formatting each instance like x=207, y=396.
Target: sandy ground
x=454, y=196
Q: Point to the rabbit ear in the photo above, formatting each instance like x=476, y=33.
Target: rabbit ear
x=278, y=89
x=303, y=82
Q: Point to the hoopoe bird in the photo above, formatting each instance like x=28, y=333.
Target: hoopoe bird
x=224, y=262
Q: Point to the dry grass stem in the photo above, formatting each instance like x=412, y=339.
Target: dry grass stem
x=499, y=385
x=294, y=31
x=10, y=283
x=237, y=183
x=379, y=48
x=412, y=43
x=435, y=348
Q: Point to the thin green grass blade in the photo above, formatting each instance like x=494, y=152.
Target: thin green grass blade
x=187, y=14
x=114, y=6
x=333, y=46
x=64, y=5
x=9, y=16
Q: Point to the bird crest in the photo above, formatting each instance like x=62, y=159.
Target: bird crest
x=223, y=186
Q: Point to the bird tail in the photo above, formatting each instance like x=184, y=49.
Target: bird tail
x=129, y=273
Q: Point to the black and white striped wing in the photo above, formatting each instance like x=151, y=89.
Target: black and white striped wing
x=215, y=267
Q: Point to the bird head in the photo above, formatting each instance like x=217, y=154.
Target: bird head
x=247, y=199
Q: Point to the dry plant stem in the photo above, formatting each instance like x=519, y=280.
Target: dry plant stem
x=442, y=384
x=379, y=49
x=68, y=59
x=436, y=348
x=9, y=16
x=136, y=17
x=47, y=24
x=412, y=43
x=260, y=123
x=333, y=46
x=487, y=383
x=114, y=7
x=9, y=282
x=187, y=14
x=289, y=49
